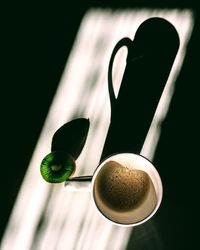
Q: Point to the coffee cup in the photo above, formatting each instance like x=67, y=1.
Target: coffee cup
x=126, y=189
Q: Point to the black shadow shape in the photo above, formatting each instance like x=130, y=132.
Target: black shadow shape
x=71, y=137
x=150, y=57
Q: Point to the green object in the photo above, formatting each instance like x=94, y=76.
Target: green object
x=57, y=167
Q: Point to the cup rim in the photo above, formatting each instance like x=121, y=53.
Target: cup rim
x=158, y=180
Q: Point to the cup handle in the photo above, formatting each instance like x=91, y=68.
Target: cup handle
x=79, y=183
x=123, y=42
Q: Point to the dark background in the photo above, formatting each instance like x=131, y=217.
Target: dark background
x=35, y=41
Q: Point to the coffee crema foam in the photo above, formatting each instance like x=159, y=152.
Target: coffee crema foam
x=122, y=192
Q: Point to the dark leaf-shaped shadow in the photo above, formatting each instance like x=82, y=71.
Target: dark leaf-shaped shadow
x=71, y=137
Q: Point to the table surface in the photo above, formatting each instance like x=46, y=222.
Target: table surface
x=52, y=218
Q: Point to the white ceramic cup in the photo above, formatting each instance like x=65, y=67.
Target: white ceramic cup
x=126, y=189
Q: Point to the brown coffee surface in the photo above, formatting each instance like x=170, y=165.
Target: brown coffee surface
x=122, y=188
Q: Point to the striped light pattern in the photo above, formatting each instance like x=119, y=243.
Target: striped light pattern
x=46, y=216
